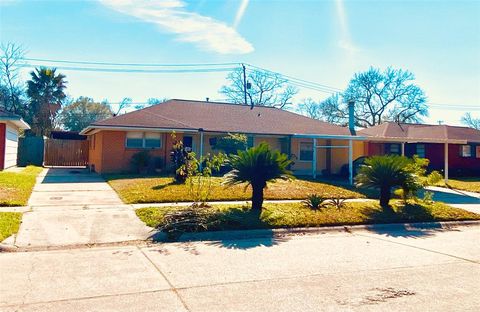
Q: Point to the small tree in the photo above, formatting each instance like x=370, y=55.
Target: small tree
x=385, y=173
x=257, y=166
x=185, y=163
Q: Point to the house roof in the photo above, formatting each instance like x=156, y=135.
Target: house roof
x=220, y=117
x=13, y=118
x=422, y=133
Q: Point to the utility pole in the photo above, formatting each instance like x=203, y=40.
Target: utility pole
x=245, y=85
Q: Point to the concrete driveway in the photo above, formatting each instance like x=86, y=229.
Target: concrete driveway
x=72, y=206
x=460, y=199
x=409, y=269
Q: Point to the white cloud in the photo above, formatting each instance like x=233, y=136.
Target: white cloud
x=172, y=16
x=345, y=41
x=240, y=12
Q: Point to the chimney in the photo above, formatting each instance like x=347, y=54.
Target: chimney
x=208, y=99
x=351, y=116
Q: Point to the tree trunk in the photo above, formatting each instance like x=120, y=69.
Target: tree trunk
x=384, y=196
x=257, y=197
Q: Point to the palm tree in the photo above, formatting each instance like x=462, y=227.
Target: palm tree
x=257, y=166
x=384, y=173
x=46, y=91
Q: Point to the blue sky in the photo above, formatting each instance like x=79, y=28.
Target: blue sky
x=322, y=41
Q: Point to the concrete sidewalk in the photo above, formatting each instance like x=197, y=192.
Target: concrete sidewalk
x=73, y=207
x=460, y=199
x=380, y=269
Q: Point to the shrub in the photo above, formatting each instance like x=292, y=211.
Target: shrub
x=386, y=172
x=256, y=166
x=190, y=219
x=231, y=143
x=434, y=177
x=314, y=201
x=140, y=161
x=338, y=202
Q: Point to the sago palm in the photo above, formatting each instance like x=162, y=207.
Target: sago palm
x=384, y=173
x=257, y=166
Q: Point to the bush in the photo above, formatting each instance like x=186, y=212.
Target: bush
x=338, y=202
x=314, y=201
x=231, y=143
x=190, y=219
x=434, y=177
x=140, y=161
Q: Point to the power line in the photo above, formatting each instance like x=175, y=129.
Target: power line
x=131, y=70
x=129, y=64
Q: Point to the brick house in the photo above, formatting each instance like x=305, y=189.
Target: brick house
x=449, y=148
x=315, y=146
x=10, y=124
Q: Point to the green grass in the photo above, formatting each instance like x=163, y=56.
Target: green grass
x=235, y=217
x=134, y=190
x=9, y=223
x=15, y=188
x=471, y=184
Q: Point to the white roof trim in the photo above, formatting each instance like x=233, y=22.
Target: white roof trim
x=94, y=129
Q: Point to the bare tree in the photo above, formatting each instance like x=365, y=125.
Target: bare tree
x=470, y=121
x=266, y=89
x=12, y=92
x=326, y=110
x=379, y=96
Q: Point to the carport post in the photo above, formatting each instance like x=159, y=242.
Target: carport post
x=314, y=160
x=350, y=162
x=446, y=161
x=403, y=148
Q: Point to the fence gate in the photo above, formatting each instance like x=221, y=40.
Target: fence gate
x=66, y=152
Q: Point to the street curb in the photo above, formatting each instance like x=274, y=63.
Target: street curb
x=160, y=237
x=247, y=234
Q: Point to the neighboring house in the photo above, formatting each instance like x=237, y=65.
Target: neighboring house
x=10, y=124
x=314, y=146
x=428, y=141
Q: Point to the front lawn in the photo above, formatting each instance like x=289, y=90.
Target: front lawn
x=465, y=184
x=134, y=190
x=15, y=188
x=282, y=215
x=9, y=223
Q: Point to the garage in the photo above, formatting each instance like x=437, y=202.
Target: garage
x=10, y=125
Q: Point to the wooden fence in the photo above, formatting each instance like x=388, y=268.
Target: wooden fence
x=66, y=153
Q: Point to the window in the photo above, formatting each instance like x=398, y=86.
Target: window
x=465, y=151
x=143, y=140
x=394, y=149
x=420, y=150
x=152, y=140
x=306, y=151
x=477, y=151
x=188, y=143
x=250, y=141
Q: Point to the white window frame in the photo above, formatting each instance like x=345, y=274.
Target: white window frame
x=462, y=151
x=300, y=150
x=144, y=138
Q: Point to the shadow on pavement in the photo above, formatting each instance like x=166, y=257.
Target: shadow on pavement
x=420, y=230
x=71, y=175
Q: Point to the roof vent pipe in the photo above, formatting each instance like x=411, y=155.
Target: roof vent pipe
x=351, y=116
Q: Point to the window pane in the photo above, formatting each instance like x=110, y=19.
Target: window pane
x=187, y=141
x=250, y=141
x=152, y=143
x=421, y=150
x=466, y=151
x=134, y=143
x=395, y=149
x=306, y=151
